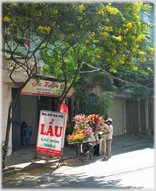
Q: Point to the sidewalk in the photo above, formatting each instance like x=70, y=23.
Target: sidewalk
x=24, y=158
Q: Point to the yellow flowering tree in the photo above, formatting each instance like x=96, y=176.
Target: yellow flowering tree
x=109, y=36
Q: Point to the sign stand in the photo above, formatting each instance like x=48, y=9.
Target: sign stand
x=51, y=135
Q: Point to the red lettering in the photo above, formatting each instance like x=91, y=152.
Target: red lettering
x=46, y=84
x=36, y=84
x=50, y=131
x=42, y=129
x=50, y=86
x=56, y=128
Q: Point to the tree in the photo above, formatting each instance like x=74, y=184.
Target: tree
x=26, y=26
x=108, y=36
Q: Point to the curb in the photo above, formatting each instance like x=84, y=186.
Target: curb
x=131, y=145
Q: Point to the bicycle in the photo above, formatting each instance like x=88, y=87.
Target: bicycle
x=85, y=150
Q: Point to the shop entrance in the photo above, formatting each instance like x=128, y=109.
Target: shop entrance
x=16, y=124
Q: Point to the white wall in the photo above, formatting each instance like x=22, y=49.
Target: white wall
x=29, y=114
x=116, y=113
x=5, y=99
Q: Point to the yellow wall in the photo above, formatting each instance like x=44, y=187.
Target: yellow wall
x=116, y=113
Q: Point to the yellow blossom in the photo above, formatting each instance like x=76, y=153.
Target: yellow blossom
x=101, y=12
x=107, y=20
x=73, y=6
x=54, y=23
x=111, y=28
x=81, y=8
x=140, y=37
x=47, y=28
x=114, y=51
x=122, y=61
x=107, y=28
x=53, y=60
x=124, y=43
x=40, y=28
x=73, y=35
x=97, y=56
x=129, y=25
x=113, y=11
x=143, y=60
x=6, y=19
x=148, y=68
x=138, y=17
x=87, y=41
x=105, y=33
x=119, y=38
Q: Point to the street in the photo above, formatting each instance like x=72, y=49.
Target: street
x=129, y=167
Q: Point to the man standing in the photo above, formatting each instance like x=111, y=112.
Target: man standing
x=103, y=136
x=109, y=138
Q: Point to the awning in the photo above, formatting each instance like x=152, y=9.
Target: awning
x=45, y=88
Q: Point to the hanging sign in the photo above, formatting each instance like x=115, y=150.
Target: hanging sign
x=51, y=132
x=64, y=109
x=45, y=88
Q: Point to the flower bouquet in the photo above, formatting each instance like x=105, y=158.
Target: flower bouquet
x=81, y=131
x=95, y=122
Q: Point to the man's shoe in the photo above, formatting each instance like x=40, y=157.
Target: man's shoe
x=106, y=158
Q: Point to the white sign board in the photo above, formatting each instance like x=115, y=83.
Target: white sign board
x=51, y=132
x=45, y=88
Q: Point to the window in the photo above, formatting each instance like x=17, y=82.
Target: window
x=146, y=17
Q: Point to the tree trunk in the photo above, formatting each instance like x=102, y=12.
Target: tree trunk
x=77, y=106
x=10, y=118
x=4, y=164
x=9, y=121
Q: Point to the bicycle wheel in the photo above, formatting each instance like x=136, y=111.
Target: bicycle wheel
x=83, y=152
x=91, y=153
x=91, y=149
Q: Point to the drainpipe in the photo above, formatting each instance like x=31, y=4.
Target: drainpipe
x=146, y=116
x=124, y=117
x=139, y=120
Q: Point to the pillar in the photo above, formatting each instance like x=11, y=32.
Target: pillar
x=139, y=119
x=124, y=117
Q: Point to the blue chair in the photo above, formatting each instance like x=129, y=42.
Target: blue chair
x=26, y=135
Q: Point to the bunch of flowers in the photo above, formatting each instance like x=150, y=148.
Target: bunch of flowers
x=81, y=131
x=94, y=119
x=96, y=122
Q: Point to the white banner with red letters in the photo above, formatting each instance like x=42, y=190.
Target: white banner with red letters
x=45, y=88
x=51, y=132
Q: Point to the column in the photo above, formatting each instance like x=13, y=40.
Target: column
x=139, y=119
x=124, y=117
